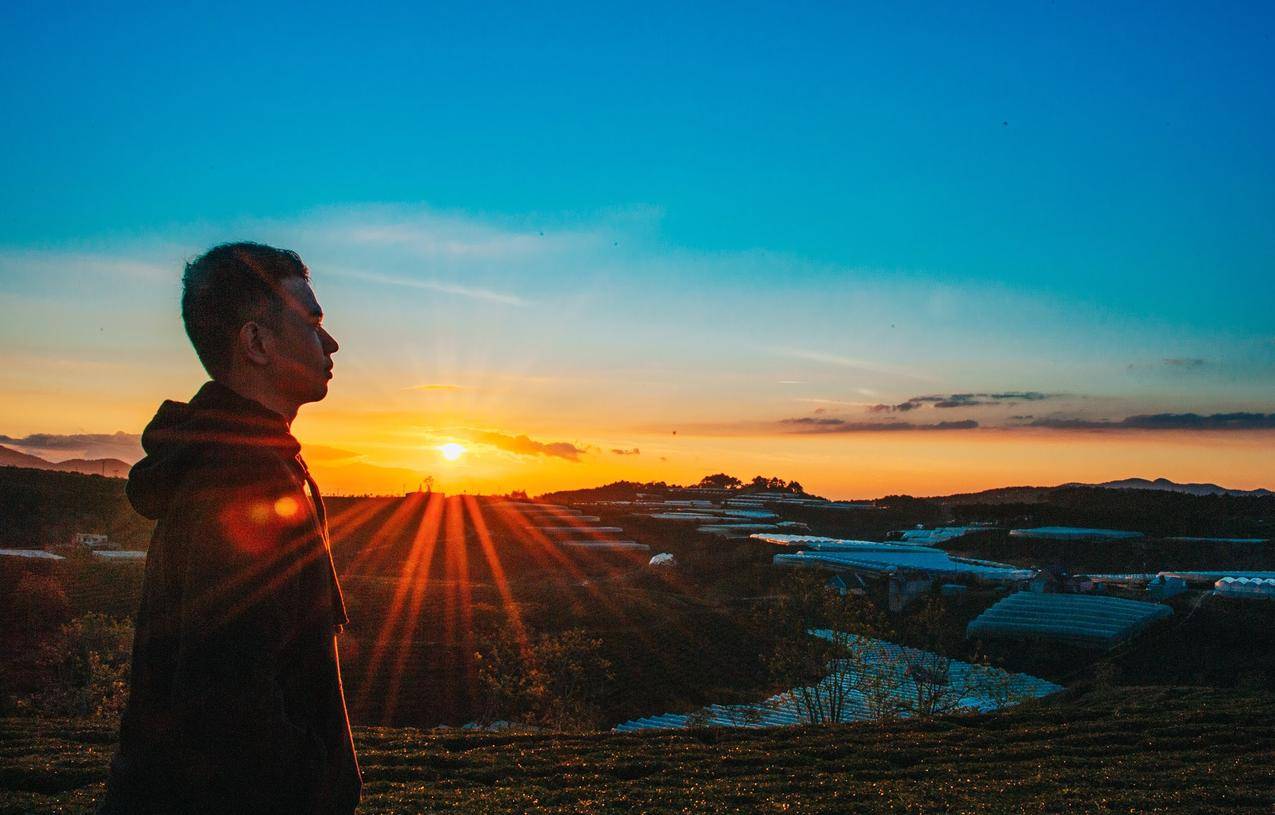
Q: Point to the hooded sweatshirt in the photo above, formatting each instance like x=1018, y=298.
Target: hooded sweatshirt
x=235, y=701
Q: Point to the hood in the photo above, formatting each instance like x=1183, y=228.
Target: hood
x=217, y=424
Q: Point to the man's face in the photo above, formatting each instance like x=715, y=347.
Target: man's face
x=303, y=349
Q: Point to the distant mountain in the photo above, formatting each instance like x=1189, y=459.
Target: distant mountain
x=1166, y=485
x=12, y=458
x=109, y=467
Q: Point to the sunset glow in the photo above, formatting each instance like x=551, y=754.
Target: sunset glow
x=451, y=451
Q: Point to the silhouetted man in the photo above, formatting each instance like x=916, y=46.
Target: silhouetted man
x=236, y=703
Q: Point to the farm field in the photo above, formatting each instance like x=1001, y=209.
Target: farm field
x=1127, y=750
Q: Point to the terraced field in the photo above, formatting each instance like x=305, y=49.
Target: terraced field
x=1129, y=750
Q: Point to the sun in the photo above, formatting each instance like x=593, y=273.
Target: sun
x=451, y=451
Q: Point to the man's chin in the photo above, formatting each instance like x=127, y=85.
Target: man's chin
x=317, y=394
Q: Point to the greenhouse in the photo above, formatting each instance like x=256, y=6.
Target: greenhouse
x=821, y=544
x=1092, y=622
x=939, y=535
x=1255, y=588
x=607, y=545
x=1073, y=533
x=878, y=679
x=34, y=554
x=885, y=558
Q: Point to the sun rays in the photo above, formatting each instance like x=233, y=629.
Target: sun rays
x=440, y=560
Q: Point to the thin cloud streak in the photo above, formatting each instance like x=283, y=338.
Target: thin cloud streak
x=848, y=362
x=434, y=285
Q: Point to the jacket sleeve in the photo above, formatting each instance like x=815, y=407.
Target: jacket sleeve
x=237, y=617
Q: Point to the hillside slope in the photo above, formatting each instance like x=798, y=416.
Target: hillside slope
x=1131, y=750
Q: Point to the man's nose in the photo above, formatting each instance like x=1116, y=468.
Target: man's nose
x=330, y=344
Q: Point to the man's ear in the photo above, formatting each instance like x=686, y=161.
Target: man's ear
x=254, y=341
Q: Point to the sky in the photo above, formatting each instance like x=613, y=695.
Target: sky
x=910, y=248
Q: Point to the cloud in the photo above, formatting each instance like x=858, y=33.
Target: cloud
x=524, y=446
x=321, y=452
x=435, y=387
x=121, y=445
x=630, y=452
x=962, y=400
x=822, y=424
x=1184, y=362
x=863, y=365
x=433, y=285
x=1164, y=421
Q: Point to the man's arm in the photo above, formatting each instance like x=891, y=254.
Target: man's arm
x=238, y=614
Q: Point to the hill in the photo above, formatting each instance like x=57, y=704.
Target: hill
x=1171, y=486
x=42, y=507
x=1130, y=750
x=109, y=467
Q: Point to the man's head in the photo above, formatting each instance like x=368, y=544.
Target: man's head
x=256, y=325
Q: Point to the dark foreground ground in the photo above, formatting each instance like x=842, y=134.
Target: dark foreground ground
x=1128, y=750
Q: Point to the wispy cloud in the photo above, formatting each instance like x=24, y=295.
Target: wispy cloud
x=525, y=446
x=102, y=266
x=442, y=286
x=963, y=400
x=630, y=452
x=1185, y=362
x=435, y=387
x=862, y=365
x=321, y=452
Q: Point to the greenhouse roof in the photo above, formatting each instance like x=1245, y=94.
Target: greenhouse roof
x=1073, y=533
x=821, y=544
x=36, y=554
x=120, y=554
x=1069, y=618
x=939, y=535
x=614, y=546
x=903, y=559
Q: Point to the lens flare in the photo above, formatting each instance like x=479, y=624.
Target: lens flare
x=451, y=451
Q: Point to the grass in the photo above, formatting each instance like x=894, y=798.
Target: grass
x=1159, y=749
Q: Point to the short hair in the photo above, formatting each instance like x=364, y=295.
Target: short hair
x=226, y=287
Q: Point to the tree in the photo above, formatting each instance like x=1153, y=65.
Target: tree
x=773, y=484
x=836, y=662
x=87, y=665
x=555, y=681
x=720, y=481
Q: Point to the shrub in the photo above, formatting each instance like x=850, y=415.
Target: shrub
x=40, y=603
x=554, y=681
x=87, y=664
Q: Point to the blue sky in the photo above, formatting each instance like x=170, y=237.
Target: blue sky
x=876, y=203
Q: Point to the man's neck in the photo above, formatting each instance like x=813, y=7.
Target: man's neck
x=263, y=396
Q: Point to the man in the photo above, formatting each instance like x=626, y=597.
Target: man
x=236, y=704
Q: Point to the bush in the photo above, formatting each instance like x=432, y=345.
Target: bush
x=87, y=664
x=554, y=681
x=39, y=603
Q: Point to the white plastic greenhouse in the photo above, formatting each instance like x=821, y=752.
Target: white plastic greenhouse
x=1095, y=622
x=879, y=679
x=1255, y=588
